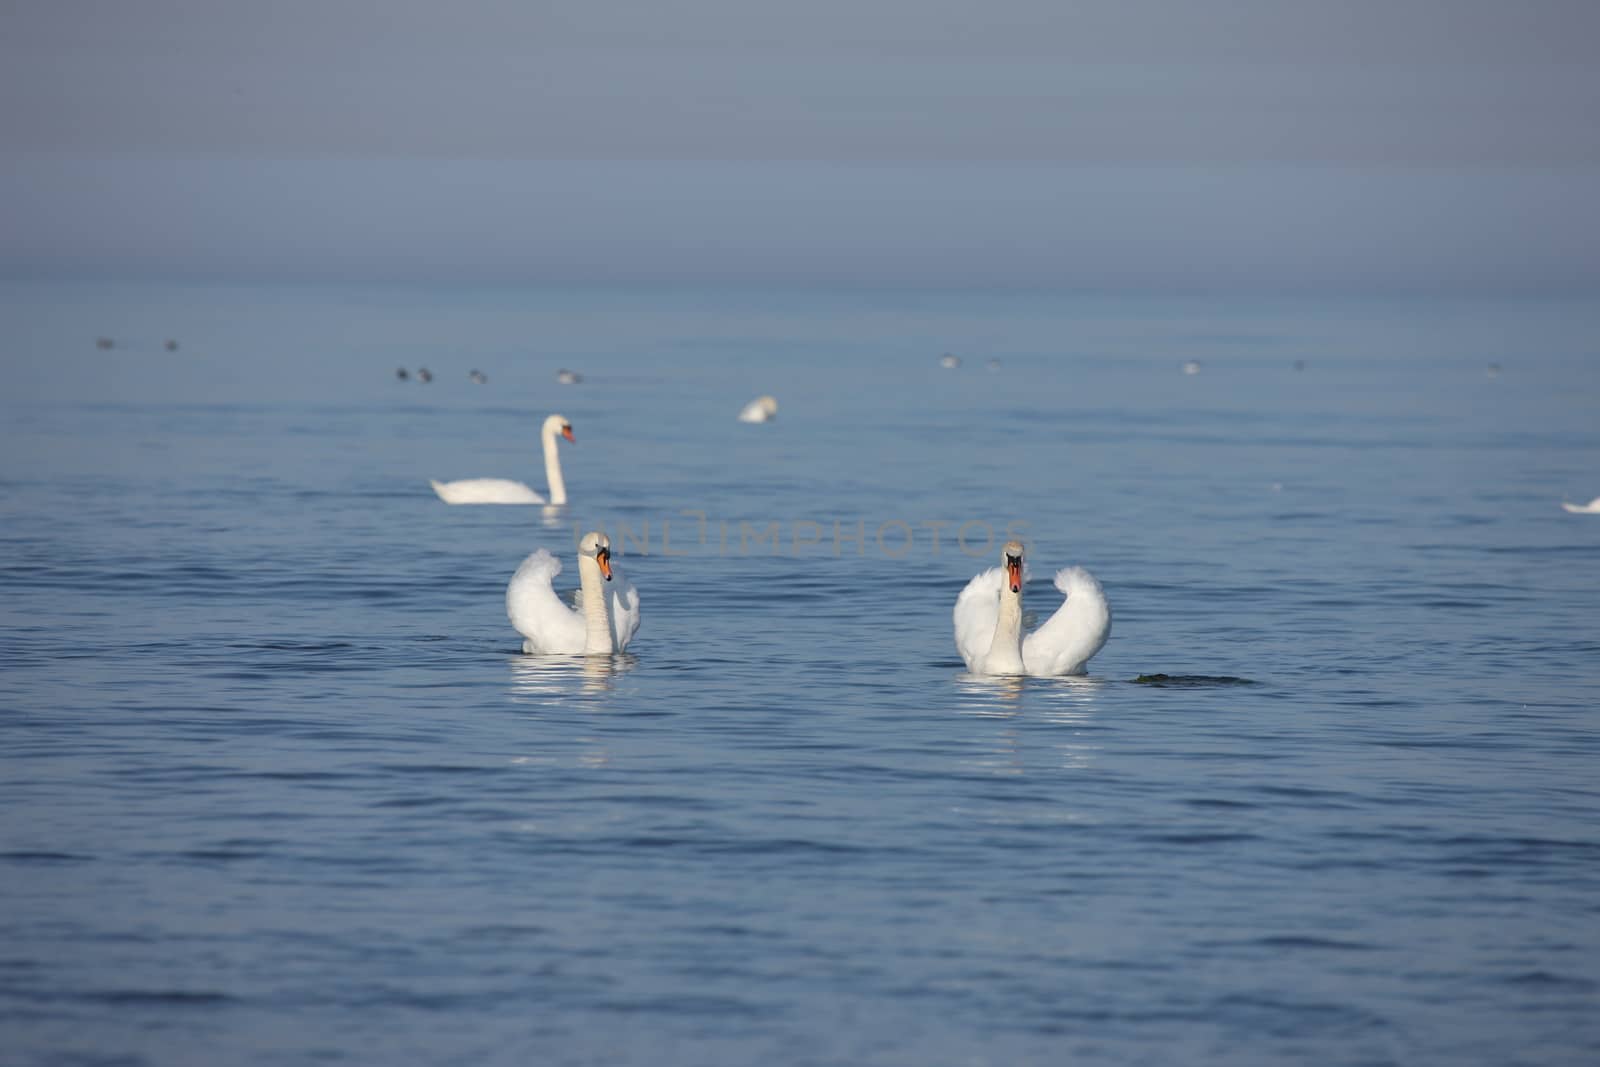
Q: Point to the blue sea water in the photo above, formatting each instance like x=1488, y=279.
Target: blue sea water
x=277, y=786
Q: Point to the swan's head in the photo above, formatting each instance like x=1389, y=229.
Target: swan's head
x=558, y=424
x=597, y=546
x=769, y=404
x=1011, y=560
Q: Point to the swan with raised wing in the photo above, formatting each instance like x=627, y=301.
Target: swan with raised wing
x=988, y=620
x=506, y=491
x=605, y=612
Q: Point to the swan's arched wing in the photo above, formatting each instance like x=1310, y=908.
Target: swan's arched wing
x=536, y=611
x=977, y=610
x=1078, y=629
x=622, y=609
x=486, y=491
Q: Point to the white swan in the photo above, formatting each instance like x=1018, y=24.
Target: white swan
x=505, y=491
x=606, y=612
x=761, y=409
x=988, y=619
x=1591, y=508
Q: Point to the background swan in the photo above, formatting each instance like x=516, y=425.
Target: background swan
x=988, y=618
x=761, y=409
x=504, y=490
x=1591, y=508
x=605, y=615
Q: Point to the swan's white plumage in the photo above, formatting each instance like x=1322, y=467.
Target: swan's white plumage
x=622, y=609
x=761, y=409
x=538, y=613
x=485, y=491
x=1064, y=644
x=1068, y=640
x=506, y=491
x=1591, y=508
x=549, y=626
x=977, y=609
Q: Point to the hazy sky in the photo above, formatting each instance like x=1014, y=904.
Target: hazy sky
x=1366, y=144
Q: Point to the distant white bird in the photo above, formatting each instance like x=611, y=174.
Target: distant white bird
x=1192, y=367
x=505, y=491
x=568, y=377
x=605, y=615
x=949, y=362
x=761, y=409
x=1591, y=508
x=988, y=620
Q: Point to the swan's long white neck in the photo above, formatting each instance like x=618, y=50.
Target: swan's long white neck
x=552, y=467
x=597, y=624
x=1005, y=652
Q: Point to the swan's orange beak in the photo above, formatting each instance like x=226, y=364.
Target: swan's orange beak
x=566, y=431
x=603, y=557
x=1014, y=574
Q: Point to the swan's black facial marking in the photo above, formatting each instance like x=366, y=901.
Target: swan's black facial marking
x=566, y=431
x=602, y=556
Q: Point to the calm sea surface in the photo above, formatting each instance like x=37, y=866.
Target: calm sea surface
x=277, y=787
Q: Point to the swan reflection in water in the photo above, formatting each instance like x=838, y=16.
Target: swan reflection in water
x=1068, y=699
x=557, y=679
x=1059, y=702
x=991, y=695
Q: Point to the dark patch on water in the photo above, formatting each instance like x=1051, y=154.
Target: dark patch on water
x=689, y=1004
x=1560, y=983
x=178, y=998
x=1191, y=681
x=1294, y=941
x=1201, y=838
x=220, y=855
